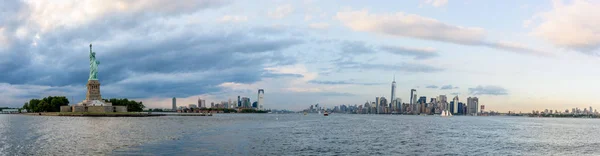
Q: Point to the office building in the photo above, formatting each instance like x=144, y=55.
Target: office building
x=174, y=104
x=261, y=95
x=377, y=105
x=455, y=106
x=239, y=102
x=393, y=96
x=246, y=102
x=201, y=103
x=472, y=104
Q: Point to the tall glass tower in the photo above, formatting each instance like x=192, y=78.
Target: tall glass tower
x=393, y=97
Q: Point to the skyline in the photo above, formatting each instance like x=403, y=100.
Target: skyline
x=514, y=56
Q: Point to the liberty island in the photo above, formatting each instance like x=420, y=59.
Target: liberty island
x=93, y=99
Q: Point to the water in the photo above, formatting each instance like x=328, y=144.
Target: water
x=296, y=134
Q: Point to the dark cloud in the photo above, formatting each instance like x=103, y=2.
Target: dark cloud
x=144, y=56
x=488, y=90
x=448, y=87
x=418, y=53
x=350, y=82
x=432, y=86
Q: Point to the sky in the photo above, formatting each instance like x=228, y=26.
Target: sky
x=513, y=55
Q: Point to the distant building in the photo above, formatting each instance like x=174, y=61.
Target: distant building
x=472, y=104
x=255, y=104
x=455, y=106
x=174, y=104
x=377, y=105
x=260, y=100
x=413, y=101
x=239, y=102
x=393, y=96
x=246, y=102
x=193, y=106
x=461, y=108
x=201, y=103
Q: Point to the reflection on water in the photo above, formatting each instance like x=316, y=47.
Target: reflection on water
x=294, y=134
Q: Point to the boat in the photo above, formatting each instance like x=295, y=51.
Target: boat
x=305, y=113
x=446, y=113
x=325, y=114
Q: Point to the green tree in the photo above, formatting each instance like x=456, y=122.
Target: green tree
x=43, y=106
x=33, y=105
x=26, y=106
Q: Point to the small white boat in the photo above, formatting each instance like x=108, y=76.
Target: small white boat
x=446, y=113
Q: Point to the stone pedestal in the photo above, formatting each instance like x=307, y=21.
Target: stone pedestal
x=93, y=90
x=93, y=102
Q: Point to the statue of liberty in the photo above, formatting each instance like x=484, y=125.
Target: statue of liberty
x=93, y=65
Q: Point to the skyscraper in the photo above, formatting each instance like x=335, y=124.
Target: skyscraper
x=413, y=96
x=472, y=105
x=413, y=101
x=174, y=104
x=393, y=96
x=455, y=106
x=239, y=102
x=201, y=103
x=260, y=102
x=377, y=105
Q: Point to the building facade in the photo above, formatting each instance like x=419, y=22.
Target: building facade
x=260, y=101
x=174, y=104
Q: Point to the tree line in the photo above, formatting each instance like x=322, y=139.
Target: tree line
x=132, y=106
x=47, y=104
x=53, y=103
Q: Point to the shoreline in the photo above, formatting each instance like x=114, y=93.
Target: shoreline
x=87, y=114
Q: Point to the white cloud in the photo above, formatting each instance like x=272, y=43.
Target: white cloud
x=415, y=26
x=410, y=25
x=514, y=46
x=573, y=26
x=233, y=18
x=319, y=25
x=281, y=11
x=526, y=23
x=307, y=17
x=69, y=14
x=437, y=3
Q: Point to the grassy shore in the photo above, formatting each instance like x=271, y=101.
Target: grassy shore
x=94, y=114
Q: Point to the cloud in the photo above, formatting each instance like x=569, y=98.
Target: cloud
x=448, y=87
x=350, y=82
x=432, y=86
x=418, y=53
x=437, y=3
x=49, y=15
x=356, y=47
x=233, y=18
x=281, y=11
x=319, y=25
x=410, y=25
x=570, y=26
x=142, y=56
x=404, y=67
x=419, y=27
x=488, y=90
